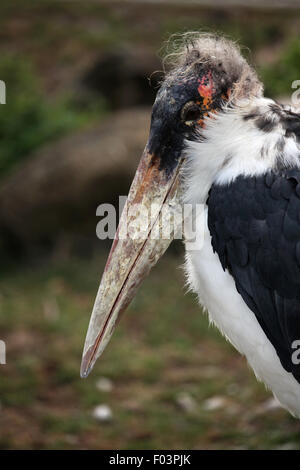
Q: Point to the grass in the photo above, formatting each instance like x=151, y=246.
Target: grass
x=29, y=119
x=162, y=348
x=280, y=75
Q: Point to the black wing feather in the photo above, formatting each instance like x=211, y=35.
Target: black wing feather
x=255, y=227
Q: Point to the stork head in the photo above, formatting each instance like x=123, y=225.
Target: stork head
x=209, y=73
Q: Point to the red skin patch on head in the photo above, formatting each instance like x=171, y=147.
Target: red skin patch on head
x=206, y=90
x=206, y=86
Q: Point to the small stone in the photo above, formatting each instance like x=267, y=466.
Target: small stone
x=102, y=413
x=104, y=384
x=186, y=402
x=214, y=403
x=288, y=446
x=71, y=439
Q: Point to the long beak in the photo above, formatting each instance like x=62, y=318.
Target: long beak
x=141, y=239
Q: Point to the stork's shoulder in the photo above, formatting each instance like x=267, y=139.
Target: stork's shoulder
x=268, y=116
x=265, y=136
x=249, y=138
x=268, y=113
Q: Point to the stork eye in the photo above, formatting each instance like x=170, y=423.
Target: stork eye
x=190, y=113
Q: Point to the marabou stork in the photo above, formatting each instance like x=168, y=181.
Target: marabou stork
x=216, y=140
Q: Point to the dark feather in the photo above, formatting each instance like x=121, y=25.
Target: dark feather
x=255, y=227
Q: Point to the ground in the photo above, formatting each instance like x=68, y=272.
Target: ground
x=175, y=382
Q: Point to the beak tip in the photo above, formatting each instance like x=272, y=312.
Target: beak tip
x=86, y=365
x=85, y=371
x=84, y=374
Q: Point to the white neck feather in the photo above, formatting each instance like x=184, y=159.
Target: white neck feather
x=230, y=145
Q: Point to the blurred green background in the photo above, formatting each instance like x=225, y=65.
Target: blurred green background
x=71, y=133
